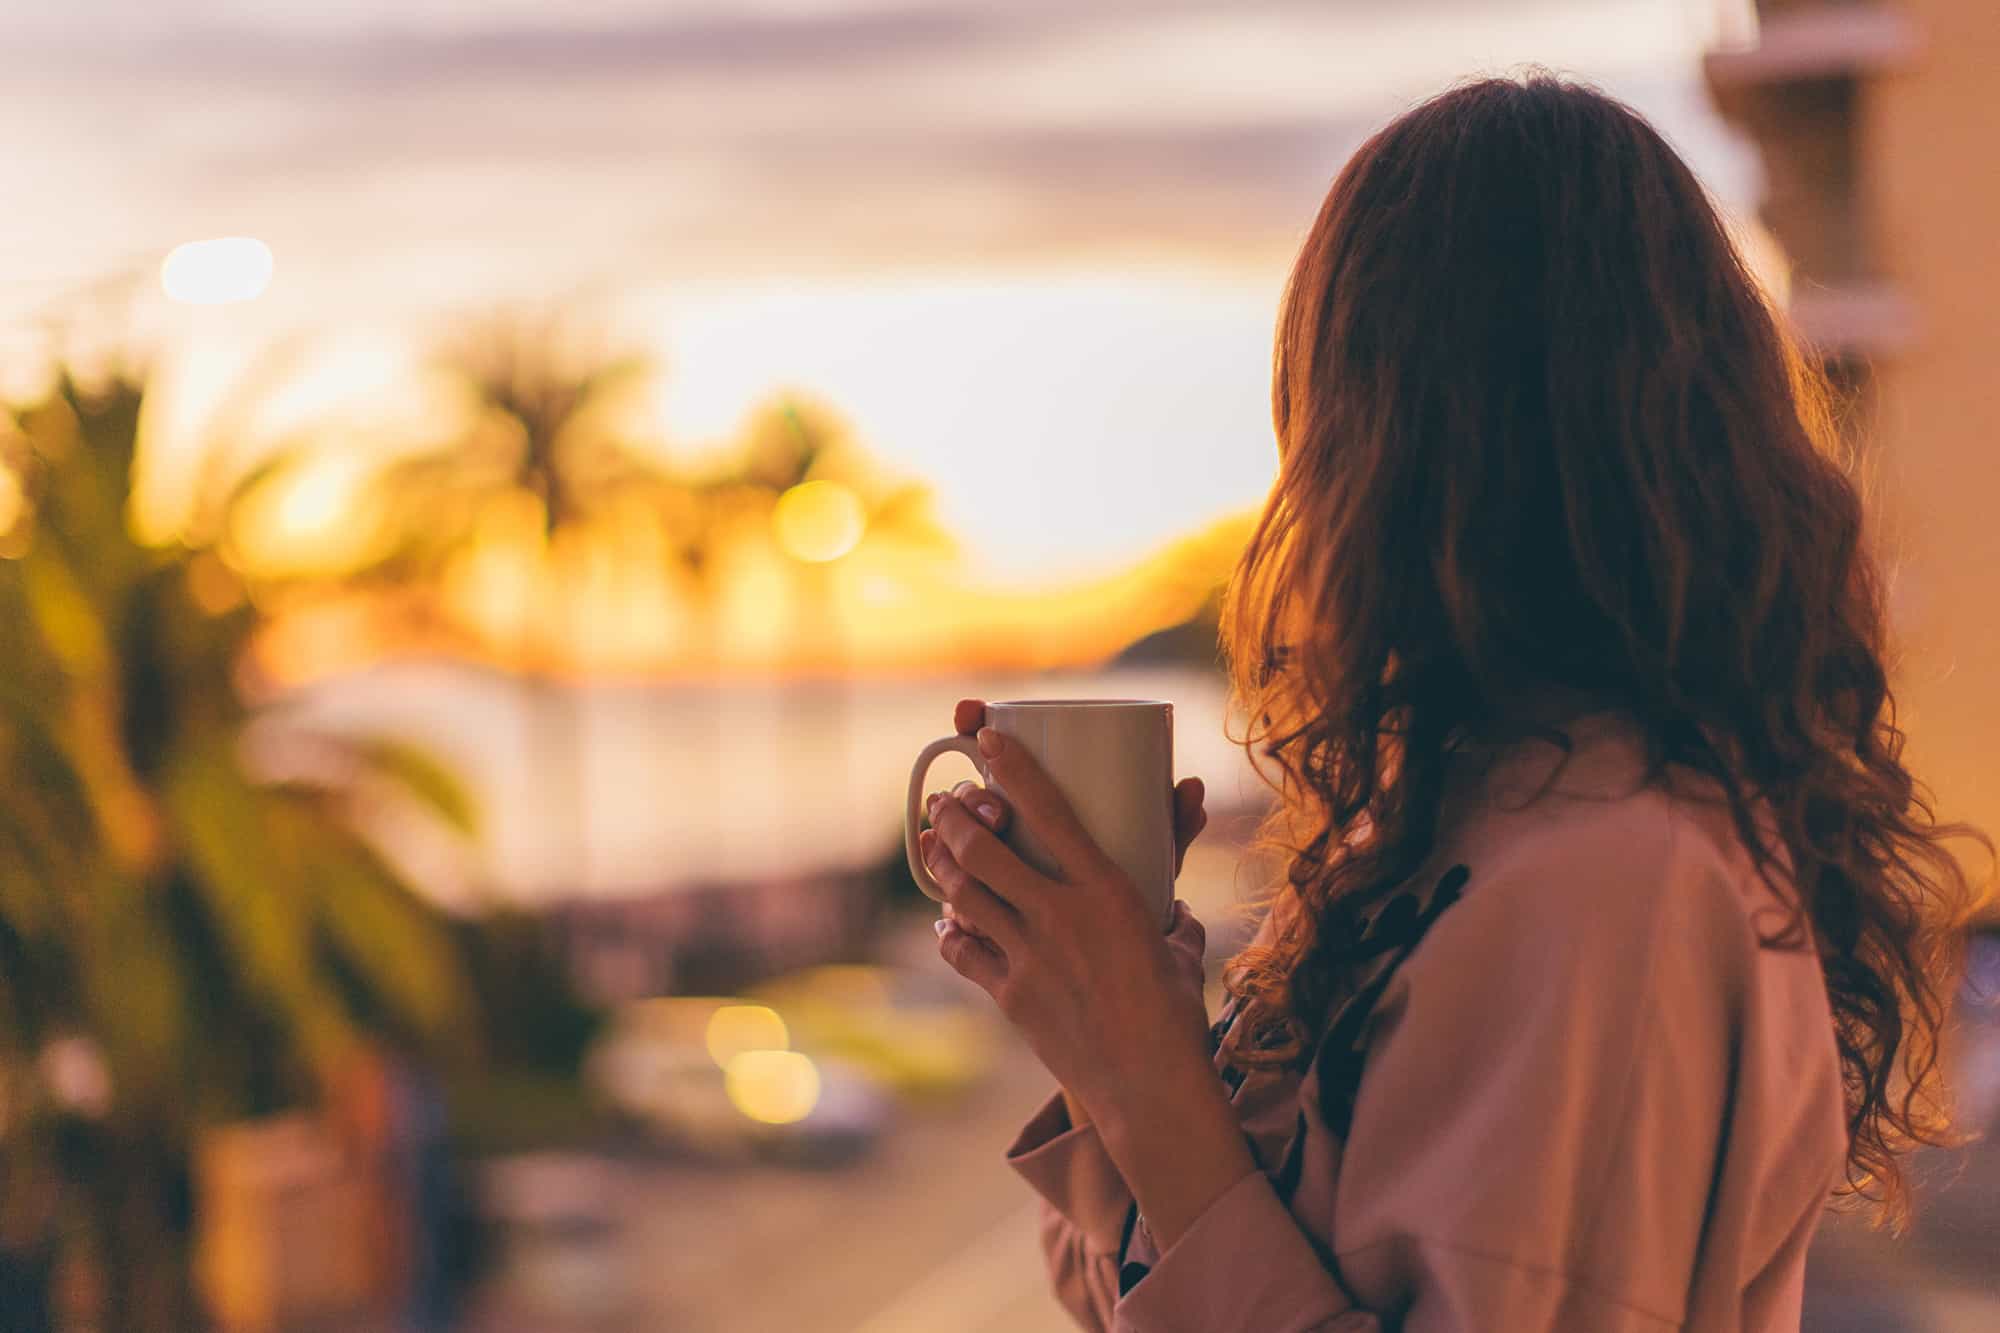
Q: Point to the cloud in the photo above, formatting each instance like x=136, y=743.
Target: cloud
x=750, y=136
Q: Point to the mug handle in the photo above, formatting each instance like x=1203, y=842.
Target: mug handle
x=912, y=812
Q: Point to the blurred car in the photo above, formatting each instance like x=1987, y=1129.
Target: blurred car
x=715, y=1076
x=913, y=1031
x=803, y=1068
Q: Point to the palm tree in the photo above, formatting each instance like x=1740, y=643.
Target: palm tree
x=788, y=445
x=543, y=435
x=542, y=441
x=789, y=442
x=535, y=440
x=182, y=941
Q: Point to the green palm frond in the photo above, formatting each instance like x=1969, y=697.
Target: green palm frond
x=386, y=938
x=245, y=857
x=419, y=774
x=221, y=940
x=48, y=803
x=132, y=992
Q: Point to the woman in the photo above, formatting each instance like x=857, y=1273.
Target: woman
x=1615, y=936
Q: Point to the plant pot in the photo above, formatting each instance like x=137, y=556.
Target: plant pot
x=283, y=1227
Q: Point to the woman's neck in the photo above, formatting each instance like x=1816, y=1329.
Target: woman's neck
x=1536, y=710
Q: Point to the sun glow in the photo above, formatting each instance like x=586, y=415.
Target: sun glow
x=224, y=271
x=1061, y=458
x=819, y=521
x=1070, y=421
x=319, y=517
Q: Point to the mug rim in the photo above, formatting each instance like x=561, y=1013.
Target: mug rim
x=1079, y=703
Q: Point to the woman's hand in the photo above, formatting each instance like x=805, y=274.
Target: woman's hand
x=1190, y=818
x=1094, y=918
x=1078, y=964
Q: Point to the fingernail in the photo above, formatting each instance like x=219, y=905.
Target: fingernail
x=940, y=926
x=989, y=742
x=987, y=811
x=930, y=804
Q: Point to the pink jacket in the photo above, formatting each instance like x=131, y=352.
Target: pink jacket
x=1584, y=1098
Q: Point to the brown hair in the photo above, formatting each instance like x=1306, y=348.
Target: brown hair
x=1539, y=430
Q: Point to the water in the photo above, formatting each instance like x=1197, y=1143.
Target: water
x=610, y=790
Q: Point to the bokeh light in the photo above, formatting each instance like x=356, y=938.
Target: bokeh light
x=12, y=502
x=222, y=271
x=819, y=521
x=737, y=1028
x=772, y=1087
x=317, y=517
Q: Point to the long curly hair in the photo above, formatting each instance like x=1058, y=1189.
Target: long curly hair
x=1540, y=430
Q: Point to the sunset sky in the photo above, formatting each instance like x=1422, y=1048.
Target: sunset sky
x=1031, y=249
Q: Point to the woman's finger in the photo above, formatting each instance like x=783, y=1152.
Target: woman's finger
x=1187, y=941
x=971, y=957
x=966, y=926
x=990, y=806
x=1189, y=817
x=972, y=904
x=1186, y=935
x=1040, y=804
x=984, y=856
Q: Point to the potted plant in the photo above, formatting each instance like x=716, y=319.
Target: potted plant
x=191, y=952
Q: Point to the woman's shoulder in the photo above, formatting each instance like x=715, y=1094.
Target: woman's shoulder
x=1595, y=793
x=1584, y=917
x=1588, y=846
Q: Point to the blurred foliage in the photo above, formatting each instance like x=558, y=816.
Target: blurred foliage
x=890, y=878
x=1195, y=642
x=526, y=1093
x=539, y=432
x=199, y=943
x=520, y=985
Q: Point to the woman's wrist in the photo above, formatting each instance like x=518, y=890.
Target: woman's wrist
x=1179, y=1147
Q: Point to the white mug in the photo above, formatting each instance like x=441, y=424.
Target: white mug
x=1113, y=759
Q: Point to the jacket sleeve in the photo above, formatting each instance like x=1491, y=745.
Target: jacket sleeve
x=1084, y=1206
x=1245, y=1266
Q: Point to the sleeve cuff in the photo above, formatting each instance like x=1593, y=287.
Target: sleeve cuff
x=1067, y=1165
x=1243, y=1265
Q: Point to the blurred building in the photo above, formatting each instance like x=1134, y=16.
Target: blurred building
x=716, y=937
x=1877, y=123
x=1879, y=126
